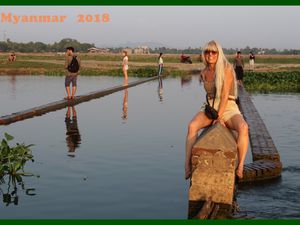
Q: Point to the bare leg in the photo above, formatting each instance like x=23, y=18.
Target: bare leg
x=74, y=89
x=238, y=123
x=125, y=76
x=198, y=122
x=68, y=92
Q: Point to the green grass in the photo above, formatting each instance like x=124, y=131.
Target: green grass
x=273, y=81
x=25, y=64
x=271, y=60
x=107, y=57
x=53, y=69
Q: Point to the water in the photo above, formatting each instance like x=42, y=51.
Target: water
x=279, y=199
x=129, y=159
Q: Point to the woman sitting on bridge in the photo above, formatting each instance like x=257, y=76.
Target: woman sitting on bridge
x=219, y=81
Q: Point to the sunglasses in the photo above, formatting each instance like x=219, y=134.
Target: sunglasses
x=208, y=52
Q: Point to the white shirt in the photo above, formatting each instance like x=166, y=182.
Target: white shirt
x=125, y=60
x=160, y=61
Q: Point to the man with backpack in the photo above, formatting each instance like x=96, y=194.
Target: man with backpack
x=72, y=64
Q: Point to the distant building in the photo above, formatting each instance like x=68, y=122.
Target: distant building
x=261, y=52
x=128, y=50
x=98, y=50
x=141, y=50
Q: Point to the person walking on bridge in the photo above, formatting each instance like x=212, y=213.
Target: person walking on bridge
x=219, y=82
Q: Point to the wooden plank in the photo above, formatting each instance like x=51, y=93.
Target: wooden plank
x=50, y=107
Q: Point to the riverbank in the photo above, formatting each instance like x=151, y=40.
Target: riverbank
x=139, y=66
x=95, y=64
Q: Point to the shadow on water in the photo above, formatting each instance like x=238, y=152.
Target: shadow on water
x=73, y=138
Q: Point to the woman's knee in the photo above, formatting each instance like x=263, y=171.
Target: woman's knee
x=243, y=127
x=193, y=127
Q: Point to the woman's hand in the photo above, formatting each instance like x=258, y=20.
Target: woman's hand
x=219, y=120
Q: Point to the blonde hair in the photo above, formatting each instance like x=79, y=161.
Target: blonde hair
x=221, y=64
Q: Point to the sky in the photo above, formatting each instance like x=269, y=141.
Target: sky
x=170, y=26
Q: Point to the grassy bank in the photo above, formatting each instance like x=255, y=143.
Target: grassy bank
x=151, y=58
x=57, y=69
x=273, y=81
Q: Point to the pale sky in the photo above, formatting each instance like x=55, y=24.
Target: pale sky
x=179, y=27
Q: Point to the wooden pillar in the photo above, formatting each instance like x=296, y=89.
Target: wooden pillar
x=214, y=158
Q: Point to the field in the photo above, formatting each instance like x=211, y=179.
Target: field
x=272, y=72
x=140, y=65
x=94, y=64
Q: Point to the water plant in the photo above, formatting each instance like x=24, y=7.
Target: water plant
x=288, y=81
x=13, y=159
x=12, y=162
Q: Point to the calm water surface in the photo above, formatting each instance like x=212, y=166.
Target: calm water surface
x=122, y=158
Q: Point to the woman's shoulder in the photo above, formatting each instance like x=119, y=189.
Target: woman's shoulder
x=228, y=67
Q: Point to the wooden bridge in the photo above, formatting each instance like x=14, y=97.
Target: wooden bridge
x=214, y=158
x=43, y=109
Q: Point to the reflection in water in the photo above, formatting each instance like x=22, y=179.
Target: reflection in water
x=125, y=105
x=186, y=80
x=9, y=189
x=73, y=138
x=13, y=85
x=160, y=90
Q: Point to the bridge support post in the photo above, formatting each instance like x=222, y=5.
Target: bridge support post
x=214, y=158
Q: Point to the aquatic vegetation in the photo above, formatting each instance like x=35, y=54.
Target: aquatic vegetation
x=12, y=162
x=272, y=81
x=13, y=159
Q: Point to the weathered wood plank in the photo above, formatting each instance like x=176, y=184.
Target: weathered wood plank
x=50, y=107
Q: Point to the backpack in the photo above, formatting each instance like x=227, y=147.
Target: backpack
x=74, y=65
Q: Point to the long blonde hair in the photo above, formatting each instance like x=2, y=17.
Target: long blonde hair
x=221, y=64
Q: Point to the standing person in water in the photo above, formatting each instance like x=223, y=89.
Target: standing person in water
x=160, y=64
x=72, y=64
x=238, y=65
x=125, y=66
x=219, y=79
